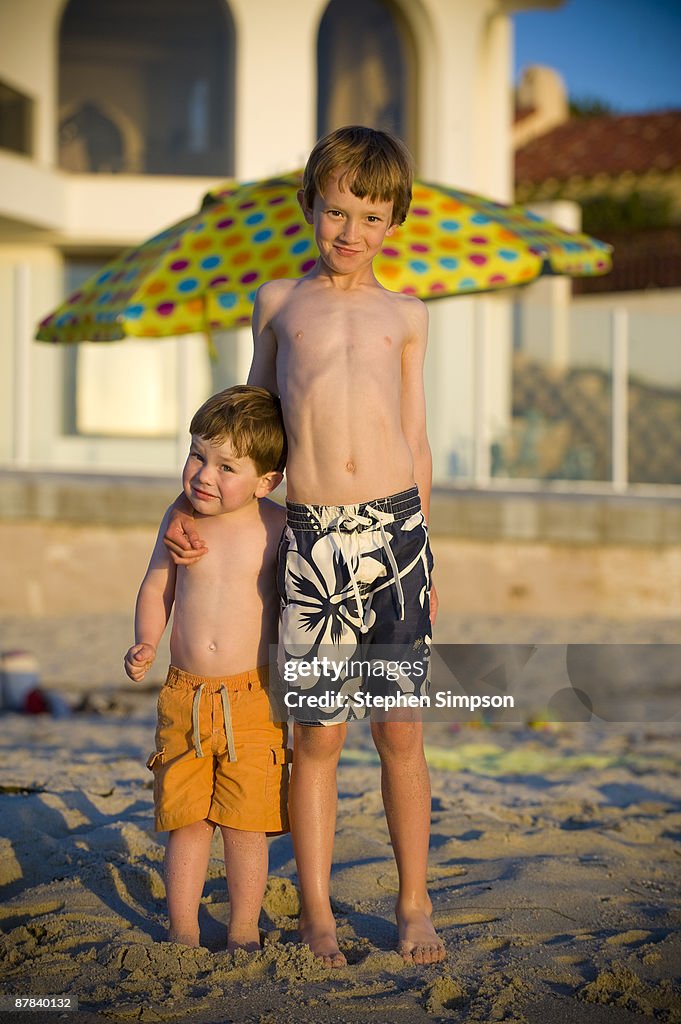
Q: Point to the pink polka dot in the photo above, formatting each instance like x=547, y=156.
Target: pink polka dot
x=419, y=247
x=478, y=240
x=478, y=260
x=179, y=265
x=249, y=278
x=390, y=252
x=307, y=265
x=165, y=308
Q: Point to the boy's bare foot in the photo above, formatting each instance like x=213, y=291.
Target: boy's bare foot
x=184, y=938
x=321, y=938
x=245, y=938
x=418, y=942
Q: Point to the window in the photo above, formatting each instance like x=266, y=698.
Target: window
x=146, y=88
x=365, y=68
x=16, y=120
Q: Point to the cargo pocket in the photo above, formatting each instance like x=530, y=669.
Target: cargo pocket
x=156, y=759
x=276, y=784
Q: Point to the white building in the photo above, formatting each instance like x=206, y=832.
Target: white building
x=117, y=115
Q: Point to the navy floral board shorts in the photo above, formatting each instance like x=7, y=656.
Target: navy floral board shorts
x=354, y=583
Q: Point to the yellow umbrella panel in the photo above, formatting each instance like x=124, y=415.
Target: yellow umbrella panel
x=203, y=272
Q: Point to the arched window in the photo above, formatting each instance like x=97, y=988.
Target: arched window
x=146, y=87
x=366, y=69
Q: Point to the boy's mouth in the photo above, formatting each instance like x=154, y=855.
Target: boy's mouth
x=202, y=495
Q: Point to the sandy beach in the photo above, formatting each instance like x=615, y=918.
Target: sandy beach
x=554, y=869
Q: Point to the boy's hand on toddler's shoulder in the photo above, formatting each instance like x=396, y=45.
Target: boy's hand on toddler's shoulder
x=139, y=660
x=183, y=542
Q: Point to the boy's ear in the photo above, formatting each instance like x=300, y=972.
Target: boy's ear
x=307, y=212
x=267, y=483
x=391, y=229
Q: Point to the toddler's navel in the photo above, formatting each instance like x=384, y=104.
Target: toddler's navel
x=212, y=646
x=350, y=466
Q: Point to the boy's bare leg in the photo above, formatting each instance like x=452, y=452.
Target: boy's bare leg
x=246, y=872
x=186, y=861
x=405, y=785
x=313, y=797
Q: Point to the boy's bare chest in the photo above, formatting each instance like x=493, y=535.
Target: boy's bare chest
x=332, y=330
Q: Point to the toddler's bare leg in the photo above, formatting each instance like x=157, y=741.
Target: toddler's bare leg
x=246, y=872
x=405, y=785
x=186, y=862
x=313, y=796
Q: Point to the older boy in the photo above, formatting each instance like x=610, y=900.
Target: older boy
x=219, y=760
x=346, y=357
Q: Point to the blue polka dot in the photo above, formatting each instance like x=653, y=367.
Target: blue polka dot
x=130, y=275
x=480, y=218
x=190, y=284
x=302, y=246
x=227, y=300
x=254, y=218
x=508, y=255
x=210, y=261
x=449, y=263
x=418, y=266
x=103, y=298
x=450, y=225
x=134, y=312
x=467, y=282
x=104, y=277
x=262, y=236
x=251, y=296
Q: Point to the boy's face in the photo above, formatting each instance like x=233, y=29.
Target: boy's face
x=349, y=231
x=217, y=481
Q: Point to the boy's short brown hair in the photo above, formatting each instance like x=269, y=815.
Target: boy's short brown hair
x=373, y=163
x=250, y=419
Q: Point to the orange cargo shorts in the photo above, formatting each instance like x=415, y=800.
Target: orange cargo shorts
x=219, y=756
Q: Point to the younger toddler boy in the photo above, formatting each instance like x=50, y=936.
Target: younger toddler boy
x=219, y=760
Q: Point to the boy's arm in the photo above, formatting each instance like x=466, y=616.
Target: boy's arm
x=413, y=413
x=413, y=403
x=263, y=371
x=153, y=607
x=181, y=539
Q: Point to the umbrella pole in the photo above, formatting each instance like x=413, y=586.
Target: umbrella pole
x=208, y=332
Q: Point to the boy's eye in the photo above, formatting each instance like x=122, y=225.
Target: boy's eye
x=226, y=469
x=196, y=455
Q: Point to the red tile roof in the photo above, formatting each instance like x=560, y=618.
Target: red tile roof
x=609, y=145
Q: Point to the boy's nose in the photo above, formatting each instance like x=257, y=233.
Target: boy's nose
x=350, y=232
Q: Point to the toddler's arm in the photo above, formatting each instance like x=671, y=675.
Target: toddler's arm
x=153, y=607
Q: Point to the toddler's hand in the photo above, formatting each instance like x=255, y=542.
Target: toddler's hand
x=139, y=660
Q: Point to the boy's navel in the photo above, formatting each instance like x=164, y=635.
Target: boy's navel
x=212, y=646
x=350, y=466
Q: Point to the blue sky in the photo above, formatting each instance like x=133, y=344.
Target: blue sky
x=625, y=52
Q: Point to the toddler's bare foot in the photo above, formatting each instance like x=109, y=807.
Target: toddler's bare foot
x=183, y=938
x=321, y=938
x=246, y=938
x=418, y=942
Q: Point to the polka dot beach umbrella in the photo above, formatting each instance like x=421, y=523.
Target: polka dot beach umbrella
x=202, y=273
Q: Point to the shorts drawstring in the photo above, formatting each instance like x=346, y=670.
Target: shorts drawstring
x=227, y=715
x=195, y=720
x=351, y=521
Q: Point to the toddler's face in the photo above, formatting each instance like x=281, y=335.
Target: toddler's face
x=216, y=480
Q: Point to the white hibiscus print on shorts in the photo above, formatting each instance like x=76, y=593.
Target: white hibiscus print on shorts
x=321, y=607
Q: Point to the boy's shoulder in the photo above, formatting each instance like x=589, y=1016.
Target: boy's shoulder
x=412, y=309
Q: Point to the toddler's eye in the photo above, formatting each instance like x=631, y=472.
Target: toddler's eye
x=226, y=469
